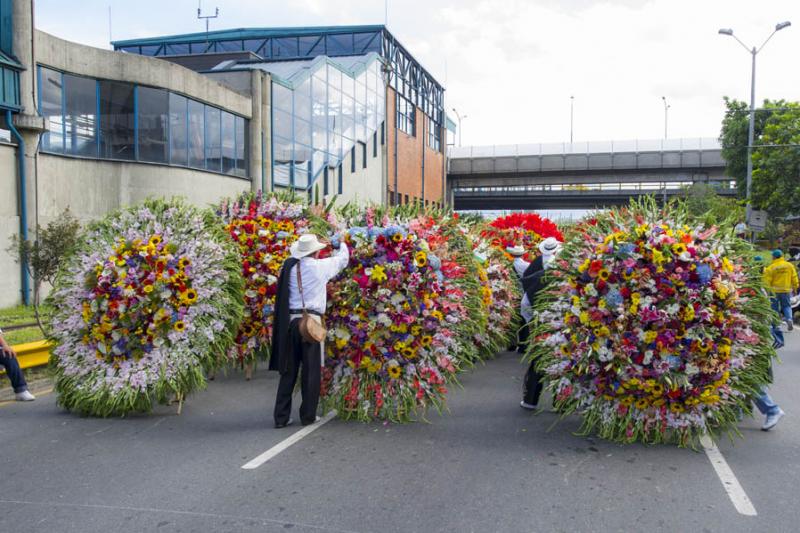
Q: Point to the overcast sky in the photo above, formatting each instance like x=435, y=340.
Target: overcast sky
x=511, y=65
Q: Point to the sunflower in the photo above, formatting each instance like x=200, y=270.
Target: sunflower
x=678, y=248
x=184, y=262
x=394, y=371
x=604, y=274
x=179, y=326
x=409, y=353
x=642, y=403
x=420, y=259
x=190, y=296
x=397, y=237
x=426, y=340
x=155, y=240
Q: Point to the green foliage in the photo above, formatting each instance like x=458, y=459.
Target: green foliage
x=776, y=153
x=704, y=204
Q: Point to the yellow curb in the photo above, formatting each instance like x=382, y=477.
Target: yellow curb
x=32, y=354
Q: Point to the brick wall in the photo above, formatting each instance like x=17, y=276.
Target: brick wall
x=410, y=150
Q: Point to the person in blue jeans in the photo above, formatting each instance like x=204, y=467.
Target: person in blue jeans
x=8, y=360
x=768, y=408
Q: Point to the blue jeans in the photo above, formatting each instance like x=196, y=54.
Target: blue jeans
x=777, y=334
x=782, y=306
x=765, y=403
x=14, y=373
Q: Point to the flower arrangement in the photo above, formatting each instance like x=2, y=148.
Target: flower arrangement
x=653, y=329
x=262, y=227
x=393, y=329
x=146, y=303
x=526, y=229
x=500, y=293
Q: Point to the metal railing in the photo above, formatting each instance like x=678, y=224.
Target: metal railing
x=721, y=186
x=590, y=147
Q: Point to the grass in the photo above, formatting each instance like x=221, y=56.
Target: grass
x=20, y=314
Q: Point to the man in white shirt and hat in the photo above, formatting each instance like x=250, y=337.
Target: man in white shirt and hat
x=520, y=266
x=299, y=290
x=532, y=283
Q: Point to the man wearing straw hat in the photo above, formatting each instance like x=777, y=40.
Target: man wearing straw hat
x=298, y=291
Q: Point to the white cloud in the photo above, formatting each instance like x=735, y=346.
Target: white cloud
x=511, y=65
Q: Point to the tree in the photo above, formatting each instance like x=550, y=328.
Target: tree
x=46, y=253
x=703, y=203
x=776, y=154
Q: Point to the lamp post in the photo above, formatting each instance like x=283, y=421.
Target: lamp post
x=460, y=118
x=751, y=131
x=666, y=109
x=571, y=116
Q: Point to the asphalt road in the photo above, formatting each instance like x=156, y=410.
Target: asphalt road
x=487, y=465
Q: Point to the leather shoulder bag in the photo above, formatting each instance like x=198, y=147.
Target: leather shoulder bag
x=311, y=330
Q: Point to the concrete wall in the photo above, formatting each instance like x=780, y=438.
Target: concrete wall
x=363, y=185
x=92, y=188
x=9, y=225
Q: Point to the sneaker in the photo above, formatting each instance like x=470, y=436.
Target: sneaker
x=777, y=345
x=772, y=420
x=528, y=406
x=317, y=419
x=789, y=325
x=287, y=423
x=24, y=396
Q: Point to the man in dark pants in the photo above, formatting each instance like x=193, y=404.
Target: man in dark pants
x=532, y=284
x=290, y=351
x=8, y=360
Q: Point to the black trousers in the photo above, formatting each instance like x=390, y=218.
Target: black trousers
x=308, y=355
x=532, y=387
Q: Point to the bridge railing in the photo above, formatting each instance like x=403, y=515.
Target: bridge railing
x=591, y=147
x=723, y=187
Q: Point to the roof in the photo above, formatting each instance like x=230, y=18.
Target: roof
x=250, y=33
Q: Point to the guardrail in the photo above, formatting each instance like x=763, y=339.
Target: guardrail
x=32, y=354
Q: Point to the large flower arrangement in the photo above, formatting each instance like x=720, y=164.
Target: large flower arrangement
x=144, y=305
x=526, y=229
x=262, y=228
x=500, y=293
x=394, y=339
x=652, y=329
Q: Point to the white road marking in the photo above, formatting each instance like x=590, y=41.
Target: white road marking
x=732, y=486
x=293, y=439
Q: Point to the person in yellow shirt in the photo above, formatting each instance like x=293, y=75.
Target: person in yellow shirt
x=780, y=278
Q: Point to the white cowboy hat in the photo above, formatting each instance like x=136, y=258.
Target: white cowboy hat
x=307, y=244
x=549, y=246
x=516, y=251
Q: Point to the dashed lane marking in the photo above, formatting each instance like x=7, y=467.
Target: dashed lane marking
x=284, y=444
x=732, y=486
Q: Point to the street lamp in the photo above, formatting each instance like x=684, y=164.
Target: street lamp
x=666, y=108
x=571, y=117
x=751, y=132
x=460, y=118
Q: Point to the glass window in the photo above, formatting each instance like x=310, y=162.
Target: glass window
x=364, y=42
x=282, y=124
x=228, y=143
x=213, y=139
x=150, y=50
x=281, y=98
x=178, y=135
x=178, y=49
x=196, y=134
x=153, y=125
x=229, y=46
x=302, y=131
x=254, y=45
x=406, y=115
x=312, y=46
x=80, y=116
x=241, y=146
x=281, y=173
x=50, y=107
x=117, y=135
x=340, y=45
x=348, y=113
x=284, y=47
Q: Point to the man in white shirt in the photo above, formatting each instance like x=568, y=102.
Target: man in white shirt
x=289, y=350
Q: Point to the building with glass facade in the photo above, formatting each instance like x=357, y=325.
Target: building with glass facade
x=335, y=111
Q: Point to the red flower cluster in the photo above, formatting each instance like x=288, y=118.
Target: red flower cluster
x=526, y=229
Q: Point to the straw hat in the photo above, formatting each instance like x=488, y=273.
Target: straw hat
x=549, y=246
x=516, y=251
x=307, y=244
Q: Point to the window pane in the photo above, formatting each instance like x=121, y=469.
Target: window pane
x=80, y=116
x=284, y=47
x=177, y=130
x=312, y=46
x=281, y=98
x=228, y=143
x=241, y=146
x=196, y=134
x=282, y=124
x=153, y=124
x=302, y=131
x=116, y=120
x=213, y=139
x=340, y=45
x=280, y=174
x=50, y=108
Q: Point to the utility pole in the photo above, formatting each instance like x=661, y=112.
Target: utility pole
x=571, y=116
x=460, y=118
x=666, y=110
x=206, y=17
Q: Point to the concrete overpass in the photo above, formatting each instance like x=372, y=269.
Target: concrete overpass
x=581, y=175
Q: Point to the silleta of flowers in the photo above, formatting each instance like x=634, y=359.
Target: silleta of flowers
x=652, y=330
x=525, y=229
x=500, y=296
x=262, y=228
x=393, y=340
x=147, y=302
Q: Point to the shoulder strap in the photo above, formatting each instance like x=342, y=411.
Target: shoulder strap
x=300, y=285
